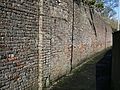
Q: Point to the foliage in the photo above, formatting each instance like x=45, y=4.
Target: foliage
x=89, y=2
x=94, y=3
x=99, y=5
x=106, y=8
x=108, y=12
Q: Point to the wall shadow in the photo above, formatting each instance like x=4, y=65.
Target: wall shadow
x=116, y=61
x=103, y=72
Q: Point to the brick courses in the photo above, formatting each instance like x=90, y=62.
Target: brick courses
x=36, y=41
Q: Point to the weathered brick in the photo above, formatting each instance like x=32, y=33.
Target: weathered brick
x=36, y=41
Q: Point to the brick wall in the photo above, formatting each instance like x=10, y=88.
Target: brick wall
x=90, y=35
x=18, y=44
x=57, y=27
x=70, y=36
x=42, y=40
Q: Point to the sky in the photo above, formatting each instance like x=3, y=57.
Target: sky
x=116, y=16
x=117, y=9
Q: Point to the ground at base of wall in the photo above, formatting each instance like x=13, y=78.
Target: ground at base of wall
x=82, y=78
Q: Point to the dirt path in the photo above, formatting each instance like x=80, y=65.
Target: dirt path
x=83, y=78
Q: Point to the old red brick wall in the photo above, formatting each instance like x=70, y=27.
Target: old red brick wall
x=72, y=33
x=42, y=40
x=18, y=44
